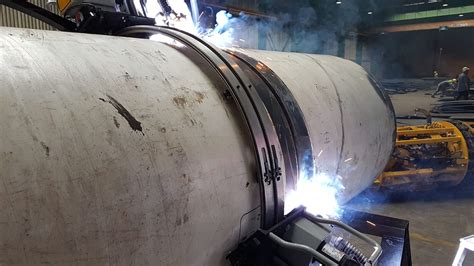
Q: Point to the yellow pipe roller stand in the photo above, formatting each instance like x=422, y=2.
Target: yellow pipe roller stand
x=428, y=156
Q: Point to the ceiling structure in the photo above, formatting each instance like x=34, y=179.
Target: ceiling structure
x=411, y=15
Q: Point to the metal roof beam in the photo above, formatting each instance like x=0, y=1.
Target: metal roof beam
x=453, y=11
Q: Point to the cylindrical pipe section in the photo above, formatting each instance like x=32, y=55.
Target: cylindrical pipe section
x=126, y=151
x=350, y=120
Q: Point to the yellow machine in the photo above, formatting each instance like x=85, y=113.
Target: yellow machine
x=427, y=156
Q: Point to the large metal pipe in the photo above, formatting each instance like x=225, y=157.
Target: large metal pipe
x=125, y=151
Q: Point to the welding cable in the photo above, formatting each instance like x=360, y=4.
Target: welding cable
x=301, y=248
x=345, y=246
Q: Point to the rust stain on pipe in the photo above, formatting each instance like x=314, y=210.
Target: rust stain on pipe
x=179, y=101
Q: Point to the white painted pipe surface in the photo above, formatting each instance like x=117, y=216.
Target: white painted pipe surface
x=124, y=151
x=351, y=124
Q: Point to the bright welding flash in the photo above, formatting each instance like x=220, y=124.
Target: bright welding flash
x=318, y=194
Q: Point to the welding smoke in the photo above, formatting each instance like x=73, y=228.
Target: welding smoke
x=285, y=26
x=223, y=33
x=222, y=19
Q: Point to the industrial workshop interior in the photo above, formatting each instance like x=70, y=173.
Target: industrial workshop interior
x=237, y=132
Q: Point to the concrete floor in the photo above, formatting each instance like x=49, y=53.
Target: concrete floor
x=405, y=104
x=437, y=218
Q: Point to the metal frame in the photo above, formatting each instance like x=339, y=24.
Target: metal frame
x=301, y=248
x=393, y=250
x=286, y=115
x=394, y=233
x=257, y=118
x=374, y=257
x=414, y=175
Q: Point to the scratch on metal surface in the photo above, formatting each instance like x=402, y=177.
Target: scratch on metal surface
x=341, y=113
x=46, y=148
x=116, y=123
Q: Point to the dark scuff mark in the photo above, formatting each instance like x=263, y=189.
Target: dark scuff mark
x=166, y=82
x=102, y=99
x=116, y=123
x=127, y=76
x=134, y=123
x=247, y=185
x=145, y=116
x=46, y=148
x=185, y=218
x=161, y=55
x=179, y=101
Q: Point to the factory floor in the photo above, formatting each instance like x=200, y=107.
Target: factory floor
x=405, y=104
x=437, y=218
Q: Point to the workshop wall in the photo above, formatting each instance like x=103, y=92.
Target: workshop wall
x=12, y=18
x=417, y=54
